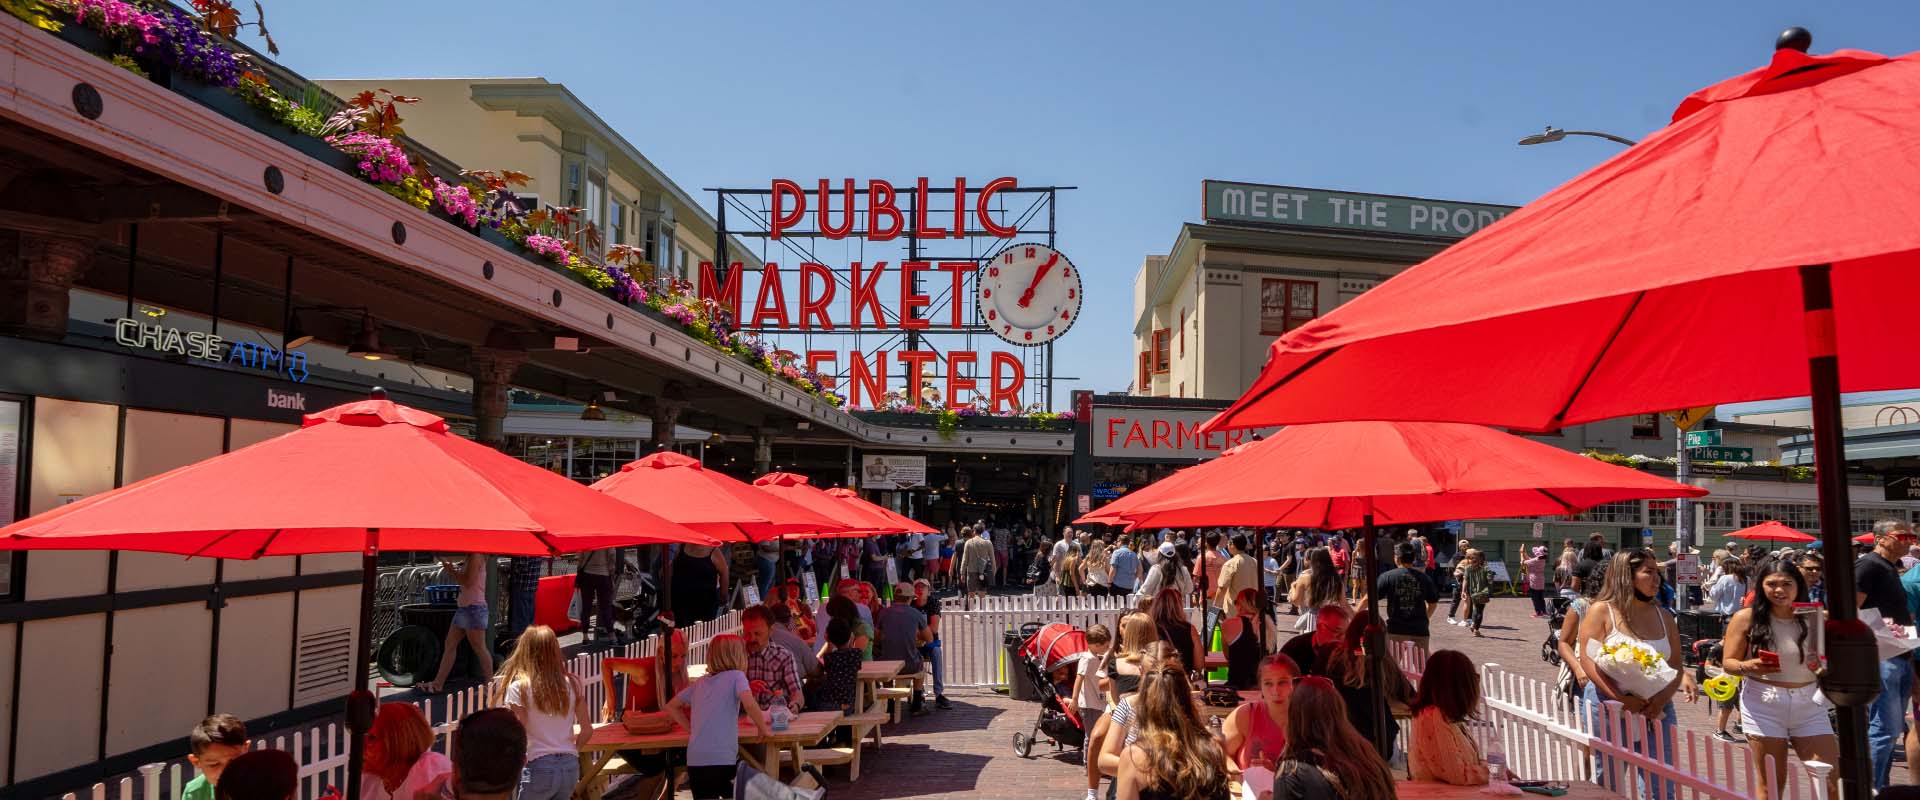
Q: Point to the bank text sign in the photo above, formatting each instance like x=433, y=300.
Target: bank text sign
x=1160, y=434
x=1292, y=206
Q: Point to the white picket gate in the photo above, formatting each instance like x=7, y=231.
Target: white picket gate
x=321, y=751
x=1547, y=737
x=973, y=636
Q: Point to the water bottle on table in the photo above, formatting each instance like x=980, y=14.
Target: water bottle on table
x=778, y=715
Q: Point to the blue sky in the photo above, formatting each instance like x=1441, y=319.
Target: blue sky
x=1132, y=102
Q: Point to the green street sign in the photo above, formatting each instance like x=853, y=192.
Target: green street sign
x=1706, y=438
x=1742, y=454
x=1296, y=207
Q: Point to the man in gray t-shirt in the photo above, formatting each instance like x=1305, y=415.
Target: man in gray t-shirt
x=902, y=630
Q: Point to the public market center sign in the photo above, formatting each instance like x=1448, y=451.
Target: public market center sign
x=1297, y=207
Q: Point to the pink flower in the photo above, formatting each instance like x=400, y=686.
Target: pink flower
x=381, y=161
x=457, y=200
x=547, y=246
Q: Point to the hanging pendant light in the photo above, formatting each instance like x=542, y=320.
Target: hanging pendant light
x=366, y=343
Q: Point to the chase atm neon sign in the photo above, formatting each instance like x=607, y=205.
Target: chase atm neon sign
x=201, y=346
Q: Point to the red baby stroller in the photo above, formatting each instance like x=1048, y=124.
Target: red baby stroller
x=1050, y=656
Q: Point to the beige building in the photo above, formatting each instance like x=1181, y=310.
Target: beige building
x=575, y=158
x=1265, y=260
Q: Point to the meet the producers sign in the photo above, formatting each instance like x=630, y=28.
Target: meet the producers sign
x=1293, y=206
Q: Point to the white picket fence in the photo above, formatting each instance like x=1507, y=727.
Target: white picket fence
x=321, y=750
x=1548, y=738
x=973, y=636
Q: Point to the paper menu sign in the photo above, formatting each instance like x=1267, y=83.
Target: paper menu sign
x=1253, y=781
x=1892, y=639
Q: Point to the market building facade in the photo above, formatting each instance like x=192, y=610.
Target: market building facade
x=182, y=275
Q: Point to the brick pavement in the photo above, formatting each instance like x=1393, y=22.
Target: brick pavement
x=965, y=752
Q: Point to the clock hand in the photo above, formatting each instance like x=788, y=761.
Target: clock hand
x=1027, y=296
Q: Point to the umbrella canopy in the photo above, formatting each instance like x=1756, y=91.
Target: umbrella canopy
x=374, y=473
x=1788, y=193
x=679, y=488
x=1587, y=303
x=1333, y=475
x=797, y=490
x=905, y=523
x=1772, y=531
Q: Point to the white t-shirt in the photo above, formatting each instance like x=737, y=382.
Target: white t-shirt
x=1091, y=698
x=426, y=770
x=1059, y=552
x=547, y=734
x=916, y=545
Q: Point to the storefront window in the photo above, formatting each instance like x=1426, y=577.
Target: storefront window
x=1864, y=517
x=1646, y=426
x=1799, y=516
x=1286, y=304
x=1625, y=512
x=594, y=459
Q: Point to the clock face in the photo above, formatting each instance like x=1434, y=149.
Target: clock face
x=1029, y=294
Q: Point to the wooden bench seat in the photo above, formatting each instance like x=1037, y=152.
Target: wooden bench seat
x=897, y=697
x=865, y=724
x=835, y=756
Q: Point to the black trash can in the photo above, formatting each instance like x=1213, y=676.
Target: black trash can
x=1019, y=678
x=438, y=617
x=1698, y=624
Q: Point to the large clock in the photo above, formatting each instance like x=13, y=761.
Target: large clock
x=1029, y=294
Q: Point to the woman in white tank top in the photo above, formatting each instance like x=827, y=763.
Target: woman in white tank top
x=1627, y=610
x=1780, y=700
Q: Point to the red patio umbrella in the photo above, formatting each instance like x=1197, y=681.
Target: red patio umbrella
x=1335, y=475
x=859, y=522
x=1771, y=531
x=374, y=476
x=681, y=489
x=905, y=523
x=1788, y=193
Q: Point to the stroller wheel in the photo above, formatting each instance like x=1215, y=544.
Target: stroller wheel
x=1022, y=745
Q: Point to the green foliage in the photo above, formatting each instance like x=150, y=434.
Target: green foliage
x=946, y=423
x=129, y=65
x=34, y=12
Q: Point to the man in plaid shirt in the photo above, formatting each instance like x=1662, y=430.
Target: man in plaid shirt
x=770, y=667
x=523, y=582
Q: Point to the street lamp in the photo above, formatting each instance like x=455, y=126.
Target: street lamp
x=1553, y=134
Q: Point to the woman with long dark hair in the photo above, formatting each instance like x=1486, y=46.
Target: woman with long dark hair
x=1780, y=701
x=1326, y=757
x=1170, y=620
x=1627, y=612
x=1319, y=585
x=1176, y=757
x=1347, y=664
x=1440, y=748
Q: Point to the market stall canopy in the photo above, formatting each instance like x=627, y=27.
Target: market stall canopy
x=1772, y=531
x=1331, y=475
x=797, y=490
x=1598, y=300
x=905, y=523
x=680, y=488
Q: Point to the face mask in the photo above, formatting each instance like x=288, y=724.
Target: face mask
x=1643, y=597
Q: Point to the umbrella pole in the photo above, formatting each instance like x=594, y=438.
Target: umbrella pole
x=1853, y=669
x=360, y=704
x=1375, y=643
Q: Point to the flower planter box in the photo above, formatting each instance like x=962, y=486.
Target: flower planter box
x=976, y=423
x=85, y=38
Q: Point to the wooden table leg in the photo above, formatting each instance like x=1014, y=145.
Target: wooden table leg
x=591, y=762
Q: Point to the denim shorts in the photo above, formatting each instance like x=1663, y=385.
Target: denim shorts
x=473, y=617
x=550, y=777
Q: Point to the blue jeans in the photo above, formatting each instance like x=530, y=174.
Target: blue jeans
x=1604, y=767
x=550, y=777
x=519, y=612
x=1887, y=715
x=763, y=579
x=931, y=653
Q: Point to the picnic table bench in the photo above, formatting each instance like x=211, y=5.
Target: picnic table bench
x=806, y=730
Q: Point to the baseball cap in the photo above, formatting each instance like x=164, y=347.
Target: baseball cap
x=1166, y=549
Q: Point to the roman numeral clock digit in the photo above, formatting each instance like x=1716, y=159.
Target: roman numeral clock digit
x=1030, y=294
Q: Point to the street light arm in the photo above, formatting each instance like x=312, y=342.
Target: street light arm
x=1607, y=136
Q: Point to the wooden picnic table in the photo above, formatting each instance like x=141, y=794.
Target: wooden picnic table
x=804, y=731
x=872, y=675
x=1214, y=661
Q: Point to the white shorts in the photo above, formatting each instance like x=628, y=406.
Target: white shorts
x=1775, y=713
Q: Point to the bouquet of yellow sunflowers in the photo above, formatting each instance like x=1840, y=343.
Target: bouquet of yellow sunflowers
x=1632, y=666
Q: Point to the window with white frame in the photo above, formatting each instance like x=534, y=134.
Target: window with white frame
x=1624, y=512
x=616, y=222
x=1800, y=516
x=1863, y=517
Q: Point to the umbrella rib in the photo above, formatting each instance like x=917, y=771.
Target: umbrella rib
x=1244, y=402
x=1563, y=504
x=265, y=542
x=1601, y=356
x=209, y=545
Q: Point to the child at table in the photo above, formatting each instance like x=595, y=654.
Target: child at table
x=215, y=743
x=717, y=699
x=552, y=704
x=839, y=670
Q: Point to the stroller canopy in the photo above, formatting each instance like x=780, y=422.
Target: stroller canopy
x=1054, y=646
